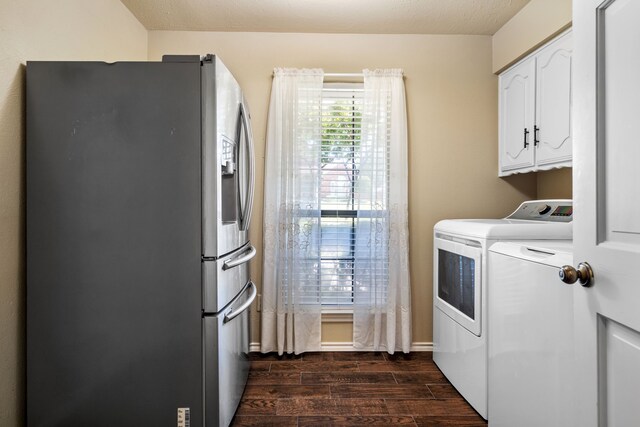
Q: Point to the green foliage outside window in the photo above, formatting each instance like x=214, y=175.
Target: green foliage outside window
x=341, y=132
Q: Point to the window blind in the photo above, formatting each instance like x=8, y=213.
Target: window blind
x=340, y=163
x=347, y=209
x=345, y=206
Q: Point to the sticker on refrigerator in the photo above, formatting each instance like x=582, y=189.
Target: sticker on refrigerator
x=184, y=417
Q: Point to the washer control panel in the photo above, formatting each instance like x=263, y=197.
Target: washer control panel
x=544, y=210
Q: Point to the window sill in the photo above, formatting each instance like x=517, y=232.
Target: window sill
x=337, y=316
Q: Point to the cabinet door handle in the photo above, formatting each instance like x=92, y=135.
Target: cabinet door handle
x=536, y=136
x=526, y=138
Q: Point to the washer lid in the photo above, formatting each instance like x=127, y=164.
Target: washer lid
x=550, y=252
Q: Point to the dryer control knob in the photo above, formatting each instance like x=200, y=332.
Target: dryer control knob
x=543, y=209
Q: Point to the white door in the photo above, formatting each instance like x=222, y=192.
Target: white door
x=552, y=134
x=607, y=204
x=516, y=109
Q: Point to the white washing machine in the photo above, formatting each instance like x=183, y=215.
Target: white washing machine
x=531, y=337
x=461, y=283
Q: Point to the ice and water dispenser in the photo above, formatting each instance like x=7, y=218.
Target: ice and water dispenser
x=229, y=180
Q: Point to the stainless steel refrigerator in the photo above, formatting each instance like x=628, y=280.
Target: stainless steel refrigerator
x=139, y=188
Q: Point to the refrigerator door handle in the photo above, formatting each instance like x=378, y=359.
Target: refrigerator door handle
x=232, y=314
x=251, y=252
x=248, y=201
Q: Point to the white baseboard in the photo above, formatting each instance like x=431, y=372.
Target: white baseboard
x=347, y=346
x=422, y=346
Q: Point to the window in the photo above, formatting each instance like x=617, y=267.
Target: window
x=335, y=216
x=340, y=157
x=352, y=188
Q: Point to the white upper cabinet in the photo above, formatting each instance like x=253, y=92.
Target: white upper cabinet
x=553, y=103
x=535, y=110
x=517, y=114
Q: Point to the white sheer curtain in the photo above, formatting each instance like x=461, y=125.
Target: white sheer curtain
x=382, y=305
x=291, y=310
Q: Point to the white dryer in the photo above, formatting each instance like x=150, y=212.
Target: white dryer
x=460, y=286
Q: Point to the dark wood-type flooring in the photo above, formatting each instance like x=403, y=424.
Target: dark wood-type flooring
x=351, y=389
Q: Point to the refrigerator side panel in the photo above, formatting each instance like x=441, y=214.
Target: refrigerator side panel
x=114, y=327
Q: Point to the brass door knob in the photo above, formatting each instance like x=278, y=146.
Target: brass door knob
x=570, y=275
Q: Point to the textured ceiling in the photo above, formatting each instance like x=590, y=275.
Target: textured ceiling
x=327, y=16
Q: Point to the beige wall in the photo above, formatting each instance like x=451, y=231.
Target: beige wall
x=537, y=22
x=40, y=30
x=555, y=184
x=452, y=112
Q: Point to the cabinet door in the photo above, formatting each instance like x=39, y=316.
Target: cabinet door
x=517, y=90
x=553, y=104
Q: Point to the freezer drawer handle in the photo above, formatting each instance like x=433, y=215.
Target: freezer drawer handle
x=240, y=260
x=228, y=317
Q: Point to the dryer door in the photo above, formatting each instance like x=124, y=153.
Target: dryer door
x=458, y=281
